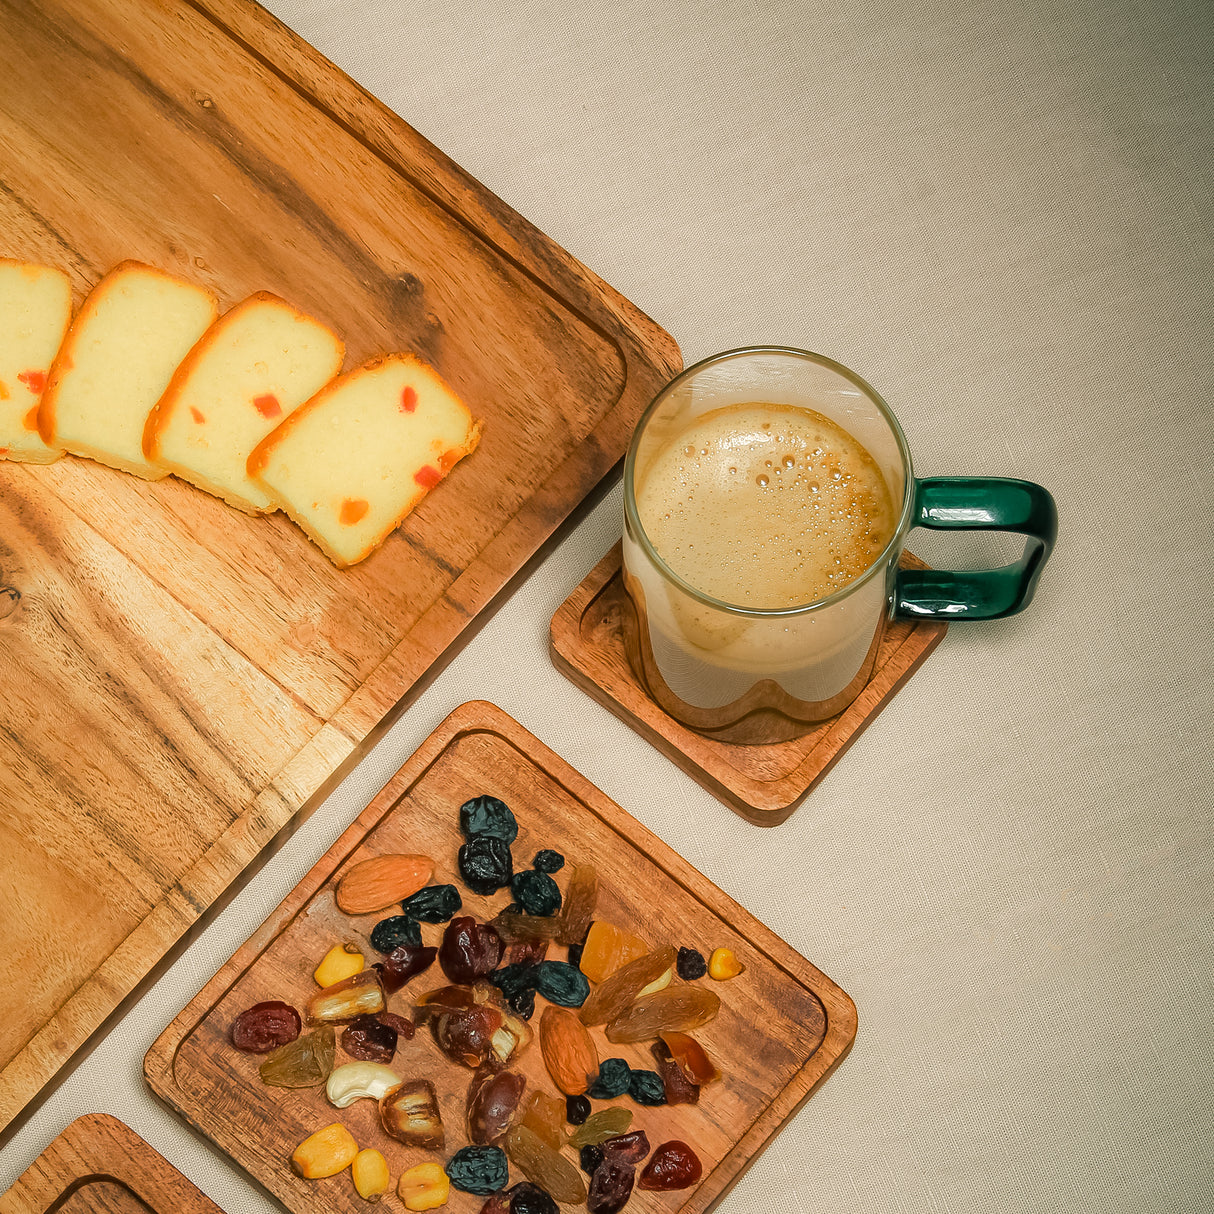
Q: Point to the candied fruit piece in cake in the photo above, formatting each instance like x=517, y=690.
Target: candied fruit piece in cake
x=253, y=367
x=119, y=356
x=35, y=308
x=353, y=461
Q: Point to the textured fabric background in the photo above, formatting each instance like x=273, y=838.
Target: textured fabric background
x=999, y=214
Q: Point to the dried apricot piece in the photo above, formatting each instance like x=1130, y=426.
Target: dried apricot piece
x=609, y=948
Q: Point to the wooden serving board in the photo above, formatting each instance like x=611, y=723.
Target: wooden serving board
x=783, y=1025
x=180, y=678
x=100, y=1166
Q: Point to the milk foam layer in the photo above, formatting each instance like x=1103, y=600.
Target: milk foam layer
x=764, y=505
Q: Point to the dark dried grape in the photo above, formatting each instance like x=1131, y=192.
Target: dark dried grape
x=498, y=1203
x=465, y=1034
x=485, y=864
x=690, y=964
x=480, y=1170
x=614, y=1074
x=469, y=950
x=528, y=1198
x=610, y=1187
x=526, y=952
x=394, y=931
x=674, y=1166
x=493, y=1097
x=577, y=1109
x=560, y=982
x=404, y=1027
x=575, y=952
x=646, y=1087
x=434, y=904
x=512, y=979
x=626, y=1148
x=548, y=861
x=369, y=1039
x=489, y=817
x=404, y=962
x=264, y=1027
x=536, y=892
x=589, y=1157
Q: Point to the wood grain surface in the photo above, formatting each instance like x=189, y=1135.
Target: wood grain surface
x=98, y=1165
x=783, y=1025
x=181, y=679
x=764, y=784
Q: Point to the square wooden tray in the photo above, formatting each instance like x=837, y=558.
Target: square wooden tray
x=98, y=1165
x=782, y=1028
x=180, y=678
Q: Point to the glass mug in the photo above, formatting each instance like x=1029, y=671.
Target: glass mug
x=768, y=493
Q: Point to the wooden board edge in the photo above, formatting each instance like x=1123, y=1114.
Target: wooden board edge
x=481, y=716
x=97, y=1146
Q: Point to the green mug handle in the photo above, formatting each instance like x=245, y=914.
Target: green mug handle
x=978, y=503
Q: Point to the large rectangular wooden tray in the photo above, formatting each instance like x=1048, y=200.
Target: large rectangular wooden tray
x=783, y=1025
x=179, y=678
x=98, y=1165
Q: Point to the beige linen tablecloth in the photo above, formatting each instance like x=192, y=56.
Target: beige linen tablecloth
x=999, y=215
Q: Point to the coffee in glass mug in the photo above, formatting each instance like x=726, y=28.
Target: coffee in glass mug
x=768, y=493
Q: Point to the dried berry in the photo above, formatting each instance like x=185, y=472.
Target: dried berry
x=646, y=1087
x=527, y=1198
x=589, y=1157
x=569, y=1053
x=404, y=962
x=612, y=1080
x=404, y=1027
x=599, y=1127
x=265, y=1027
x=560, y=982
x=513, y=979
x=485, y=815
x=580, y=900
x=522, y=1003
x=302, y=1063
x=536, y=892
x=485, y=864
x=469, y=950
x=434, y=904
x=691, y=964
x=480, y=1169
x=610, y=1187
x=577, y=1109
x=548, y=861
x=626, y=1148
x=493, y=1100
x=674, y=1166
x=677, y=1007
x=410, y=1114
x=615, y=994
x=678, y=1088
x=498, y=1203
x=369, y=1040
x=359, y=995
x=394, y=931
x=545, y=1167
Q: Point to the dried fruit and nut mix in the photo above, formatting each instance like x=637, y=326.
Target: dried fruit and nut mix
x=612, y=981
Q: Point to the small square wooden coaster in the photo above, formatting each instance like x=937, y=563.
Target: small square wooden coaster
x=762, y=783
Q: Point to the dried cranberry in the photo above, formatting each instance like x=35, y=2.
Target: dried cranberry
x=626, y=1148
x=527, y=952
x=469, y=950
x=674, y=1166
x=369, y=1040
x=404, y=962
x=264, y=1027
x=404, y=1027
x=610, y=1187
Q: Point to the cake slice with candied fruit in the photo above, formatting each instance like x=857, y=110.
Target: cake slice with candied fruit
x=350, y=464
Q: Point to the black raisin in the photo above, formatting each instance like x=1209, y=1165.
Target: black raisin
x=522, y=1004
x=646, y=1087
x=391, y=933
x=536, y=892
x=576, y=949
x=690, y=964
x=528, y=1198
x=514, y=979
x=614, y=1074
x=480, y=1170
x=548, y=861
x=589, y=1157
x=434, y=904
x=485, y=864
x=560, y=982
x=577, y=1109
x=488, y=816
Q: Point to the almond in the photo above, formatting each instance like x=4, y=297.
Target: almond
x=378, y=882
x=569, y=1053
